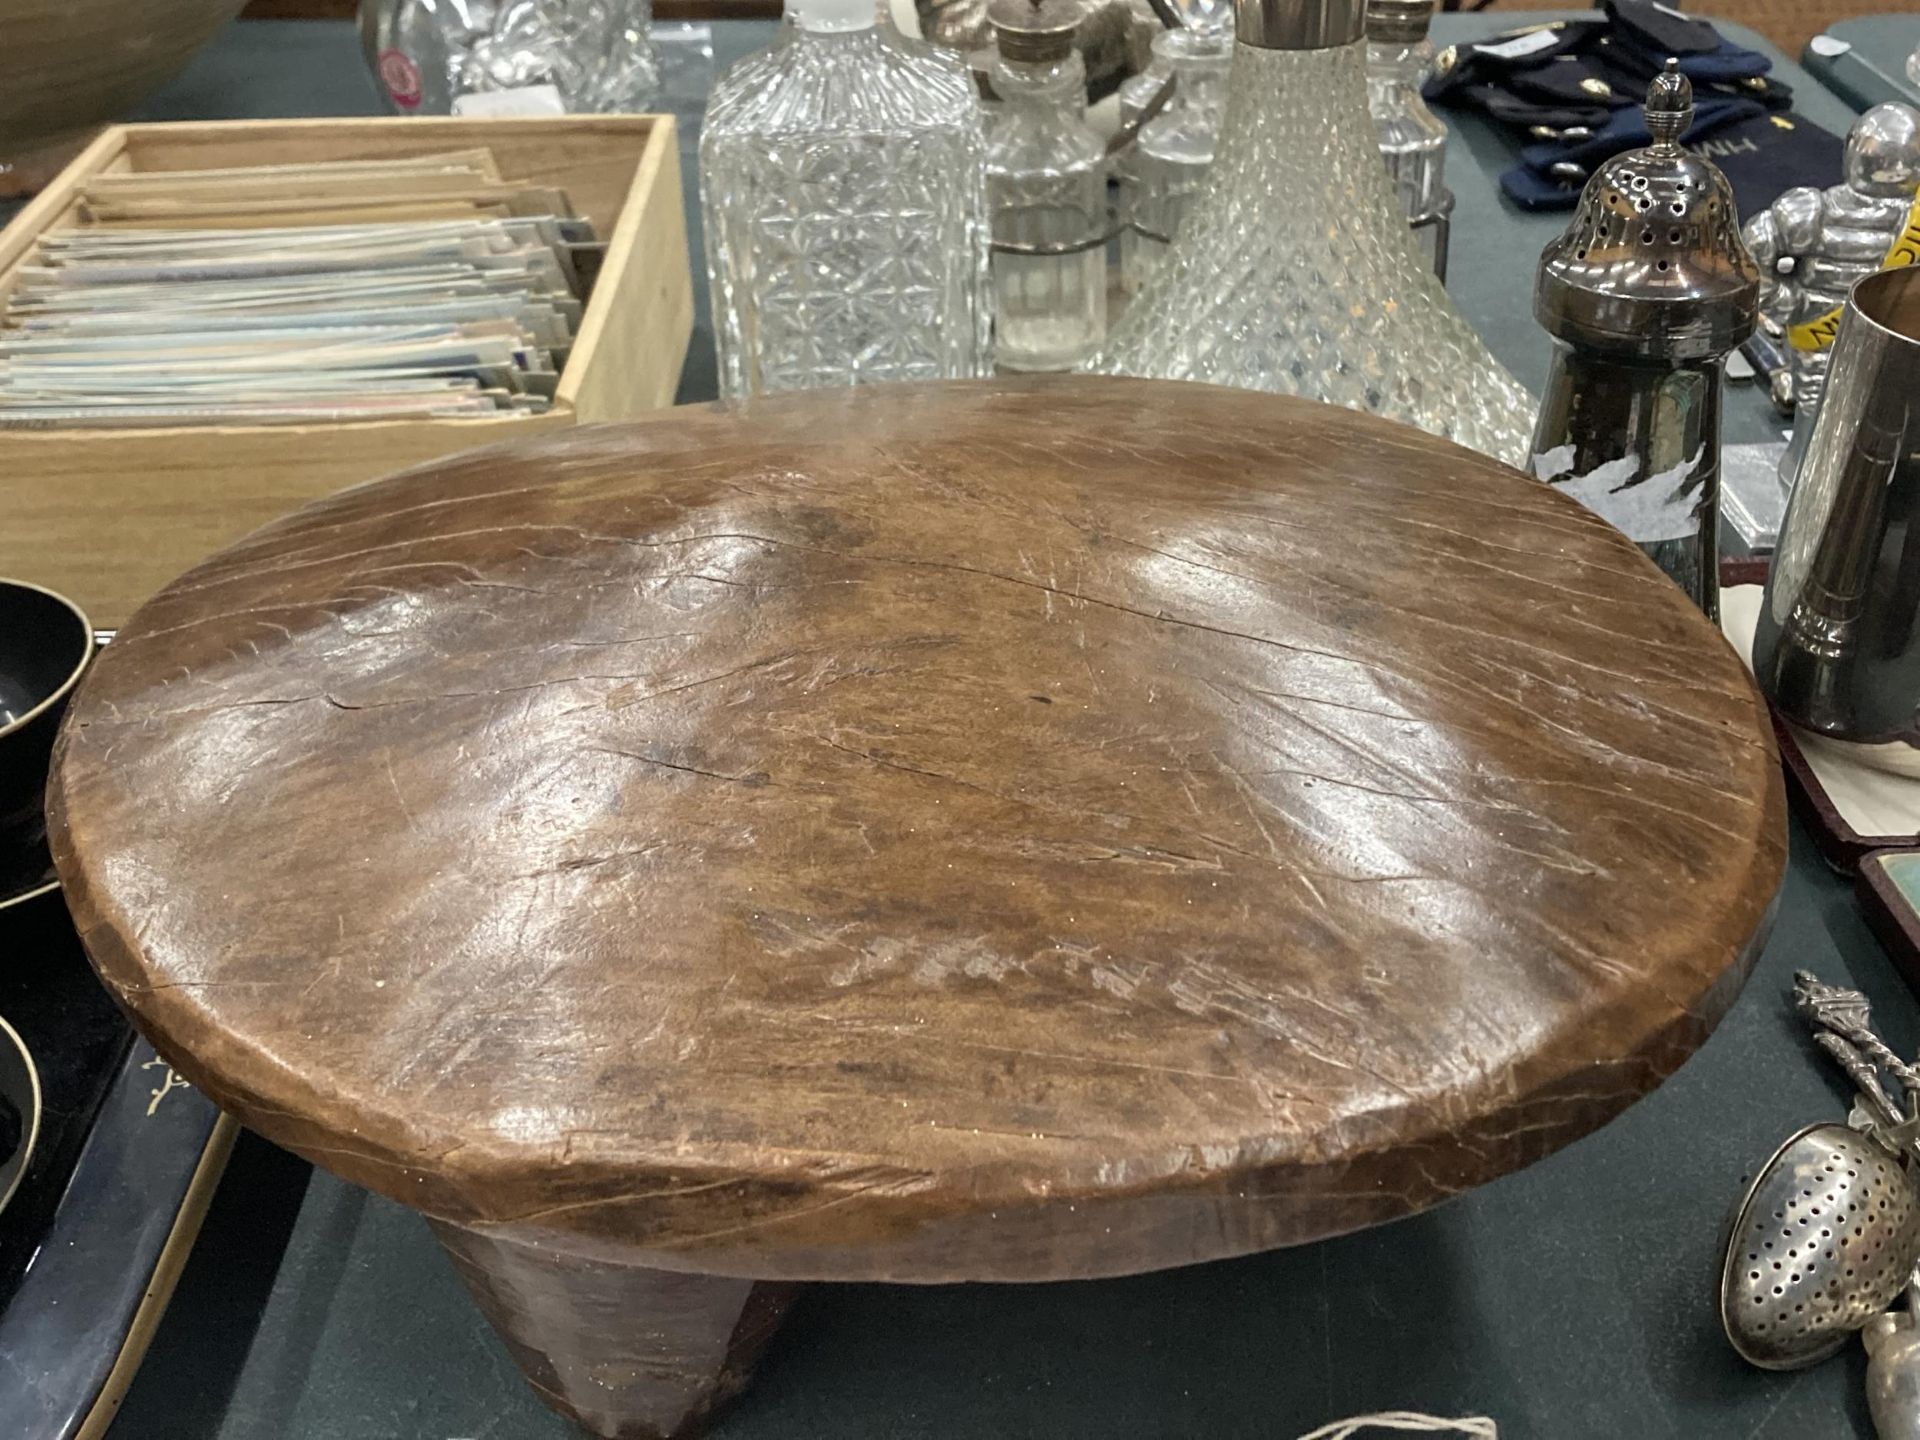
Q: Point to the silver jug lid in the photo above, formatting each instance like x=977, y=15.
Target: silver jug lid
x=1299, y=24
x=1652, y=263
x=1398, y=22
x=1035, y=31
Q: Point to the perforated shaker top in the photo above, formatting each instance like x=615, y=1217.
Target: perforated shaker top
x=1652, y=263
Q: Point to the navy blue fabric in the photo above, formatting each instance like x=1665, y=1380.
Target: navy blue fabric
x=1761, y=154
x=1575, y=101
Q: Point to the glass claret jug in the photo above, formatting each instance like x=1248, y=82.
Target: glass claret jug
x=1295, y=270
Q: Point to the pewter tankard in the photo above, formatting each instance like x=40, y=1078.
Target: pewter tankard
x=1838, y=645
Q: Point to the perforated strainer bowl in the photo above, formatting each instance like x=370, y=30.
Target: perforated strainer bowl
x=1824, y=1240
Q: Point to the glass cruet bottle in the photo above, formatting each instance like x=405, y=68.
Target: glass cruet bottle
x=1202, y=16
x=1295, y=271
x=1046, y=191
x=1136, y=92
x=1413, y=140
x=842, y=180
x=1168, y=162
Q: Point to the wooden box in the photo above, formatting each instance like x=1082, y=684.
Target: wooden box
x=108, y=516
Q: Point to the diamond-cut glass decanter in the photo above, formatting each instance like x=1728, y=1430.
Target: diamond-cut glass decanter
x=1047, y=191
x=1295, y=270
x=843, y=188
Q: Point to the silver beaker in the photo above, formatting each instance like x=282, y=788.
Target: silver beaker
x=1836, y=647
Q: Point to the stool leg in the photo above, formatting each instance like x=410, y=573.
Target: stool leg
x=628, y=1352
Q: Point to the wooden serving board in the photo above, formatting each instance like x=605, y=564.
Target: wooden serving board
x=1000, y=831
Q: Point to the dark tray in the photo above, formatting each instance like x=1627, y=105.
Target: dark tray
x=1888, y=884
x=126, y=1160
x=1840, y=845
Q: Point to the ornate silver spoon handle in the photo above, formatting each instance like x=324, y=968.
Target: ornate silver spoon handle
x=1846, y=1013
x=1865, y=1078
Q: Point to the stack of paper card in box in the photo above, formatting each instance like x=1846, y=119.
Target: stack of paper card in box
x=343, y=291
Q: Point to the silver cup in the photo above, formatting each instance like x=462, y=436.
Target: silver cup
x=1836, y=649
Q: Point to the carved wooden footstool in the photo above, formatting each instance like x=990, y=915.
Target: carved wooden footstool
x=1001, y=831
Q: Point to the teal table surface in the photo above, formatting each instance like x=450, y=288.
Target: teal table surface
x=1571, y=1301
x=1864, y=61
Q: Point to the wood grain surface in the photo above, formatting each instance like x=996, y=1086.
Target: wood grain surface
x=624, y=1350
x=1012, y=830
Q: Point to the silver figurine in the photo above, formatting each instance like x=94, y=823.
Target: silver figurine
x=1813, y=245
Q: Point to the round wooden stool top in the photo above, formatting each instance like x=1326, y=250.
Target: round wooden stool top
x=997, y=831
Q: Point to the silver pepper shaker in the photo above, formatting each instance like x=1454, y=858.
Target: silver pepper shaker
x=1644, y=295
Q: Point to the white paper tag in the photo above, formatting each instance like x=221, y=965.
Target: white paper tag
x=1645, y=511
x=1828, y=45
x=1520, y=45
x=526, y=100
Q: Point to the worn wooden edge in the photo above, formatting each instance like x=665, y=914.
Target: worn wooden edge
x=1073, y=1227
x=652, y=213
x=52, y=206
x=809, y=1225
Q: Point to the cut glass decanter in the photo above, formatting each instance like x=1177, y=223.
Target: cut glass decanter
x=1294, y=270
x=843, y=187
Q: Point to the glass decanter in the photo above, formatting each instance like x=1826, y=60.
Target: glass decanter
x=1295, y=271
x=1413, y=140
x=1047, y=191
x=1168, y=162
x=842, y=181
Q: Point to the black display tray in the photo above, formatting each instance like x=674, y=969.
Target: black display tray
x=126, y=1161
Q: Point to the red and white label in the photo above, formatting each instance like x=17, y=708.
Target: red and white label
x=401, y=77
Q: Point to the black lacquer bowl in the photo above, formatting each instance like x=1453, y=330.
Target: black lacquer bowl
x=45, y=643
x=19, y=1110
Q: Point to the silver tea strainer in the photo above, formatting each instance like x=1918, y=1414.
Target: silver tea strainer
x=1828, y=1233
x=1824, y=1240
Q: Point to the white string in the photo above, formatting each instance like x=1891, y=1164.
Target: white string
x=1477, y=1426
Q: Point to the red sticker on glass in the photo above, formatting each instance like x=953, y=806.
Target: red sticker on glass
x=401, y=77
